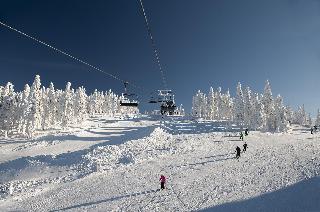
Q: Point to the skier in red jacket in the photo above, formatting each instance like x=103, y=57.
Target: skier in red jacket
x=162, y=181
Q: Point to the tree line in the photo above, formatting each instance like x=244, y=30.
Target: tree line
x=40, y=108
x=249, y=109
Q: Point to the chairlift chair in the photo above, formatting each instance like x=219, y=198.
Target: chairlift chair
x=128, y=100
x=153, y=99
x=168, y=106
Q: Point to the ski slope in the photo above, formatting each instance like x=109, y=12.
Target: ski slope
x=115, y=165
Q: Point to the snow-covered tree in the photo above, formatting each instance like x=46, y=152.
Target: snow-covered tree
x=25, y=110
x=317, y=122
x=300, y=116
x=52, y=105
x=199, y=105
x=68, y=113
x=281, y=122
x=218, y=103
x=226, y=106
x=309, y=121
x=247, y=110
x=211, y=104
x=7, y=109
x=269, y=110
x=46, y=122
x=258, y=116
x=239, y=106
x=80, y=104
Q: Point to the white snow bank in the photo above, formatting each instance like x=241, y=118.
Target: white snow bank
x=159, y=143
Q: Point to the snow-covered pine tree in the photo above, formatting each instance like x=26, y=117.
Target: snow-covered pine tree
x=35, y=115
x=289, y=114
x=68, y=113
x=59, y=114
x=93, y=101
x=281, y=122
x=309, y=121
x=317, y=122
x=7, y=109
x=46, y=122
x=239, y=106
x=115, y=103
x=211, y=105
x=268, y=105
x=108, y=103
x=258, y=117
x=199, y=105
x=80, y=104
x=52, y=105
x=226, y=106
x=18, y=112
x=100, y=103
x=181, y=110
x=218, y=99
x=25, y=110
x=248, y=113
x=300, y=116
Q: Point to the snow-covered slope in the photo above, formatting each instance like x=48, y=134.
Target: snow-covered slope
x=119, y=165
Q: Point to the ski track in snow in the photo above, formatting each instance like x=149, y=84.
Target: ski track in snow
x=111, y=165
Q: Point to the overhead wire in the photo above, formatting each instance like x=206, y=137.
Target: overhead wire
x=68, y=55
x=155, y=50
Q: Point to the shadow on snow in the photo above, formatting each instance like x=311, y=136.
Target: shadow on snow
x=107, y=200
x=216, y=158
x=71, y=158
x=176, y=126
x=300, y=197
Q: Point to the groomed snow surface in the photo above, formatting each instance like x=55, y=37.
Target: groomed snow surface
x=115, y=164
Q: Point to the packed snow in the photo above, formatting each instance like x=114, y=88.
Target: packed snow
x=113, y=164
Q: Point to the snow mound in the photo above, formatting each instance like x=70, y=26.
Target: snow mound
x=159, y=133
x=110, y=157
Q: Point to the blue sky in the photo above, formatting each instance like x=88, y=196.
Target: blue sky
x=202, y=43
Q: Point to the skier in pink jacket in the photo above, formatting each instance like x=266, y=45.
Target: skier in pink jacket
x=162, y=181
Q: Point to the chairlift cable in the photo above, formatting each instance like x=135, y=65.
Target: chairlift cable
x=68, y=55
x=155, y=50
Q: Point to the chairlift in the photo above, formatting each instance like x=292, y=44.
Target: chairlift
x=127, y=99
x=166, y=100
x=153, y=99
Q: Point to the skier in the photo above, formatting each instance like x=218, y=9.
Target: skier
x=245, y=145
x=241, y=136
x=238, y=150
x=315, y=128
x=311, y=130
x=246, y=132
x=162, y=181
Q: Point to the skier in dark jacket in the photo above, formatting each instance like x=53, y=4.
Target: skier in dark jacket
x=245, y=145
x=238, y=150
x=246, y=132
x=311, y=130
x=241, y=136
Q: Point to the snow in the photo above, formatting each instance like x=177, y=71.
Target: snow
x=113, y=164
